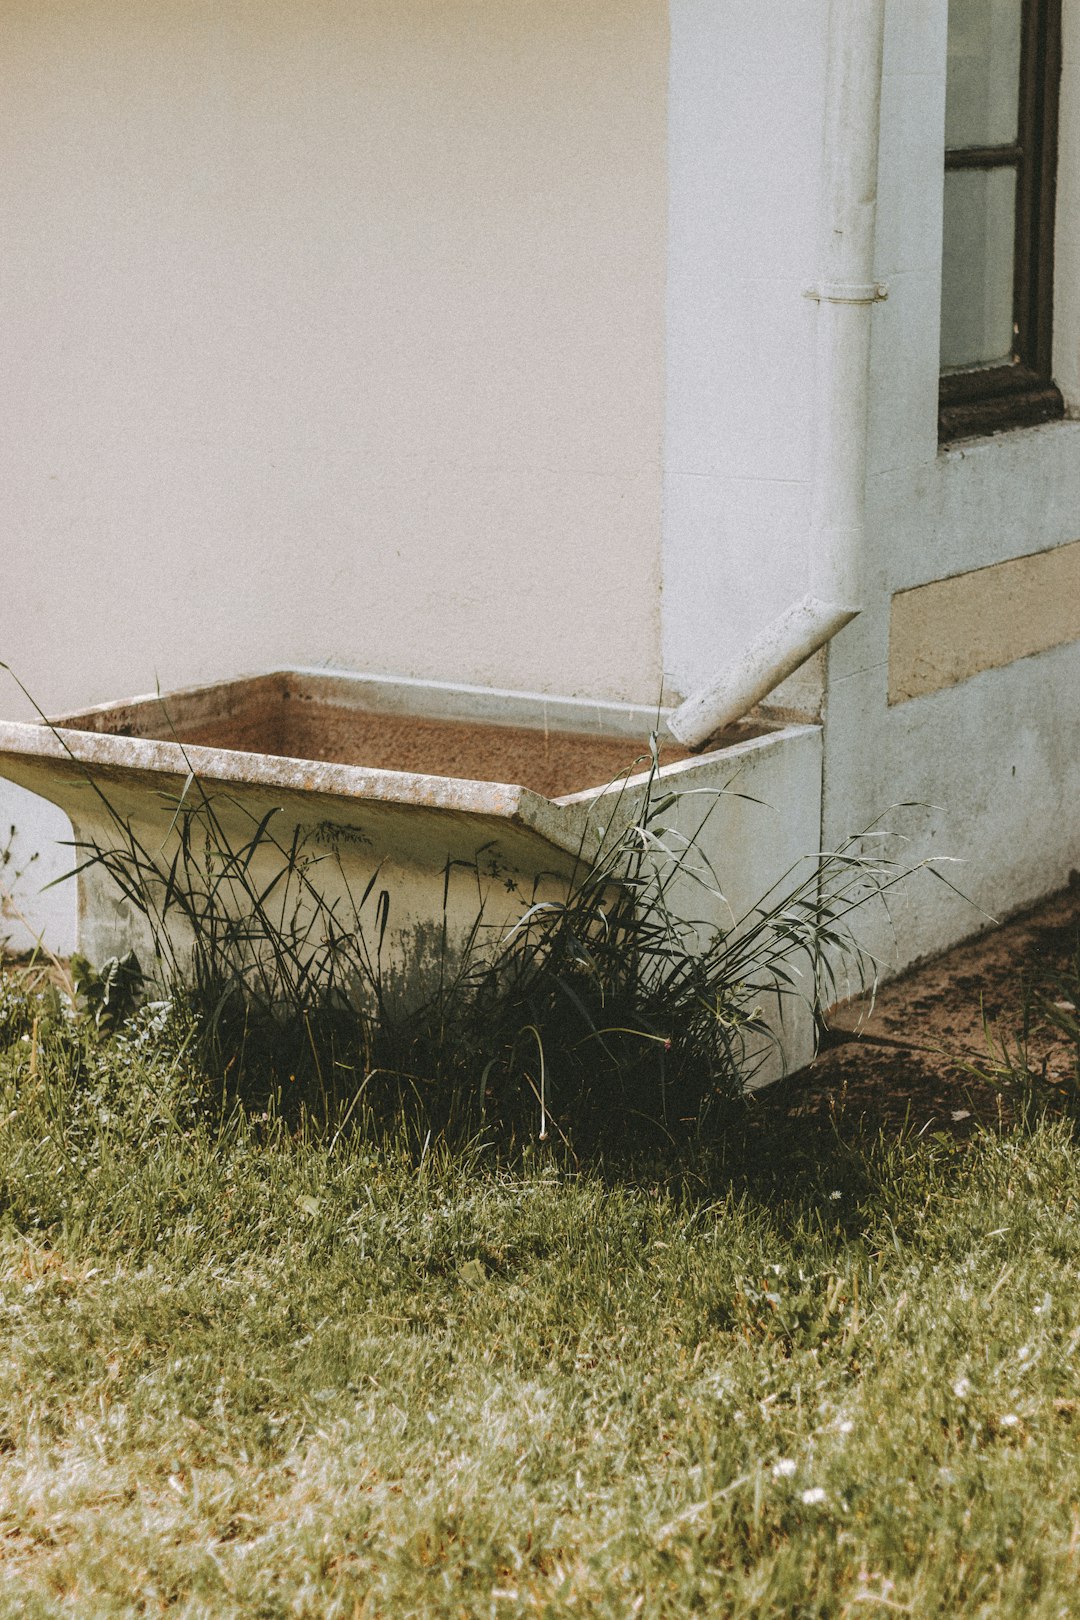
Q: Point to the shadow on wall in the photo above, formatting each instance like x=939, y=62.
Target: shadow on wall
x=35, y=837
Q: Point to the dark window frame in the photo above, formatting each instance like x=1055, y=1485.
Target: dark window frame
x=985, y=399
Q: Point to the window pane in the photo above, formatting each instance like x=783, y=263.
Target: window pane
x=977, y=267
x=982, y=92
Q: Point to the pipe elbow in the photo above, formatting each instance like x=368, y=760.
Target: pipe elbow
x=774, y=654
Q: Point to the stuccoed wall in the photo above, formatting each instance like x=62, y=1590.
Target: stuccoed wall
x=745, y=135
x=35, y=834
x=994, y=761
x=333, y=333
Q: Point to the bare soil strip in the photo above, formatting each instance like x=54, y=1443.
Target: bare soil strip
x=908, y=1059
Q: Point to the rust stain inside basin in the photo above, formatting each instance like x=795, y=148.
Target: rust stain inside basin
x=346, y=721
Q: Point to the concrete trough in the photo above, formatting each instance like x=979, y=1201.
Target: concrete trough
x=409, y=780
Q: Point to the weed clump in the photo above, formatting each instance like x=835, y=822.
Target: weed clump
x=599, y=1012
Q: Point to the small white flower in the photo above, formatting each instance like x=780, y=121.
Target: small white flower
x=814, y=1496
x=835, y=1194
x=845, y=1427
x=1009, y=1421
x=962, y=1388
x=784, y=1468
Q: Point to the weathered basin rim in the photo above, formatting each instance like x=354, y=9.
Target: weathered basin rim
x=113, y=743
x=432, y=700
x=166, y=767
x=148, y=757
x=37, y=740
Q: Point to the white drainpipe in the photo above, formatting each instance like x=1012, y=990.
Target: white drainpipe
x=845, y=294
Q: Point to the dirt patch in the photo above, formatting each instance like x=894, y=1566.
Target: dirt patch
x=908, y=1061
x=276, y=715
x=280, y=715
x=551, y=763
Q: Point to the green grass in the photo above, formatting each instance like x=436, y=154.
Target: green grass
x=244, y=1371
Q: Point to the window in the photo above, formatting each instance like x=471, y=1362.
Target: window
x=1004, y=64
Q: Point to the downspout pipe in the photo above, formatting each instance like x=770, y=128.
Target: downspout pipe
x=845, y=293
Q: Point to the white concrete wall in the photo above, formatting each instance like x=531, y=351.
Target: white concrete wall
x=745, y=143
x=35, y=835
x=995, y=761
x=332, y=332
